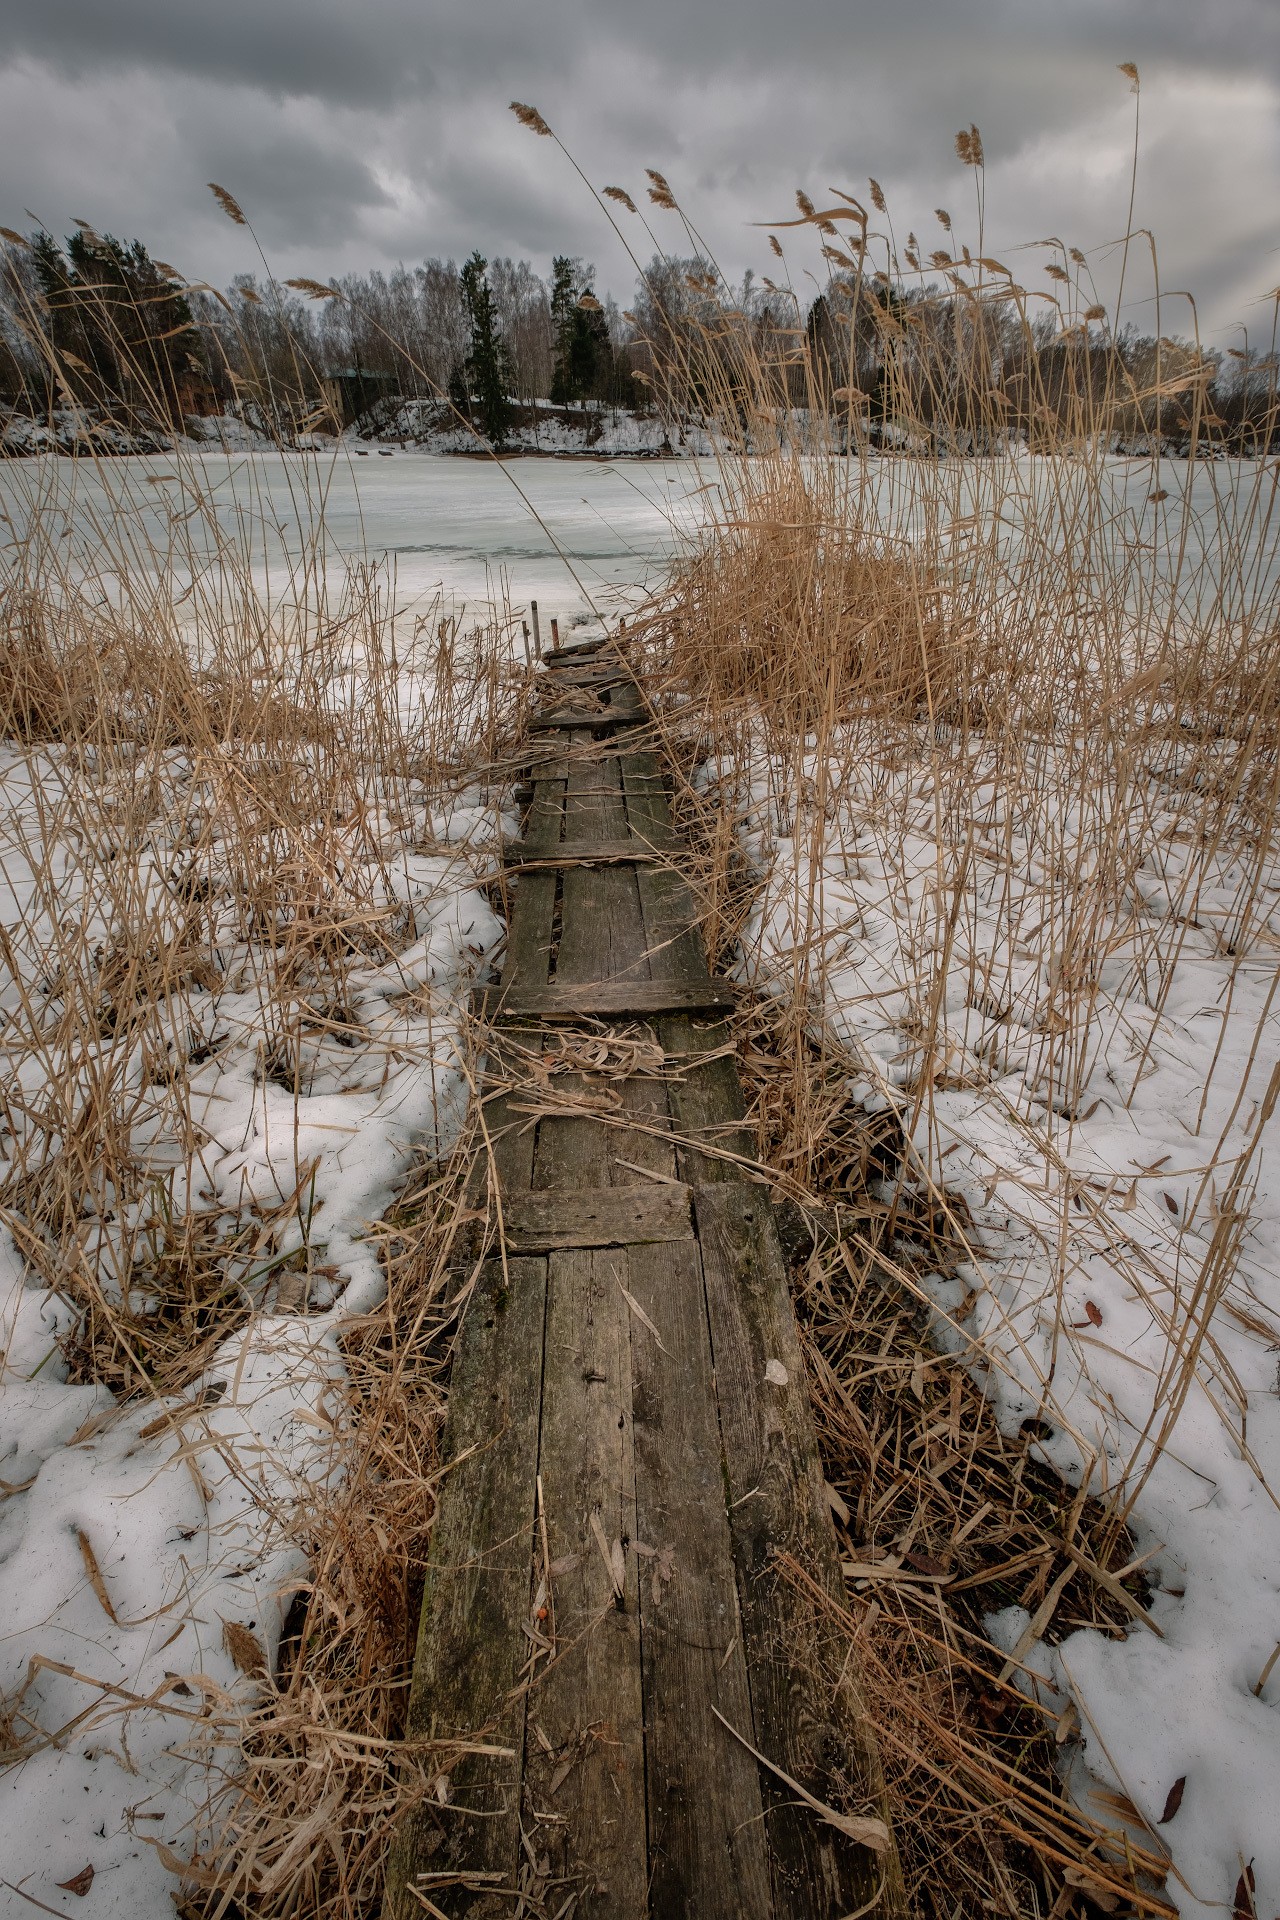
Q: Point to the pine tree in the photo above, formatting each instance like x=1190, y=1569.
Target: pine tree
x=121, y=317
x=582, y=362
x=486, y=364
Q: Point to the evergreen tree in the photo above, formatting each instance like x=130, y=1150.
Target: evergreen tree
x=486, y=364
x=582, y=362
x=119, y=314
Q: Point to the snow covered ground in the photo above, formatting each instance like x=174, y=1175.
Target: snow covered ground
x=1122, y=1170
x=147, y=1558
x=1113, y=1138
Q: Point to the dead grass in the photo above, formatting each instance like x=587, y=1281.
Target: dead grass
x=942, y=1519
x=205, y=789
x=938, y=665
x=846, y=634
x=322, y=1770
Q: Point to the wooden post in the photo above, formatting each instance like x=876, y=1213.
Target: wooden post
x=555, y=634
x=524, y=632
x=537, y=631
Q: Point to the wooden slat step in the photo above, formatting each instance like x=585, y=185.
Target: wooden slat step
x=542, y=722
x=590, y=674
x=561, y=656
x=578, y=853
x=596, y=999
x=638, y=1216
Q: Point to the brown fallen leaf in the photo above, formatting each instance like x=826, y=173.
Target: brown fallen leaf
x=1100, y=1896
x=1093, y=1312
x=924, y=1563
x=82, y=1881
x=1246, y=1886
x=1174, y=1799
x=245, y=1648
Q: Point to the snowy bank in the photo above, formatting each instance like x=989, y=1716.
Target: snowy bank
x=1120, y=1166
x=149, y=1543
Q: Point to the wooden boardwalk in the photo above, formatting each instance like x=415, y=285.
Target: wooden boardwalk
x=624, y=1629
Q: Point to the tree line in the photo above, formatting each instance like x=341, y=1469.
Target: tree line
x=98, y=321
x=968, y=360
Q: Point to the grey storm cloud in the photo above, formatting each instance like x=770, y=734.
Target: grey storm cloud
x=362, y=133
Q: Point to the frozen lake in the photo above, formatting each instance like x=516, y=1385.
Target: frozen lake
x=583, y=538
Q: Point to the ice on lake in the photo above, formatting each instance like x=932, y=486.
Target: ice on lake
x=583, y=538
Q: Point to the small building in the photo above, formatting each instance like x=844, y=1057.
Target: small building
x=351, y=391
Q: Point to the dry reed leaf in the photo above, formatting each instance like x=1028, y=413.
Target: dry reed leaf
x=863, y=1829
x=94, y=1573
x=641, y=1315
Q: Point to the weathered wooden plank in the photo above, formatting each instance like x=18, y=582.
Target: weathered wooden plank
x=589, y=676
x=585, y=853
x=581, y=650
x=706, y=1102
x=808, y=1717
x=471, y=1642
x=601, y=940
x=568, y=720
x=708, y=1855
x=508, y=1139
x=584, y=1746
x=528, y=955
x=603, y=934
x=590, y=1000
x=671, y=916
x=597, y=1217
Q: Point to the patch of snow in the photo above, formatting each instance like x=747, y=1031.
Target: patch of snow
x=145, y=1546
x=1122, y=1171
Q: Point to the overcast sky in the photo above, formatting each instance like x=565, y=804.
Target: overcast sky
x=357, y=133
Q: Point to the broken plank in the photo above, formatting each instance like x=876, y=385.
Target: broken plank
x=808, y=1714
x=603, y=999
x=596, y=1217
x=471, y=1641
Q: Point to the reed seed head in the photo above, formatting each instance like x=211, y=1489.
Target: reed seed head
x=969, y=146
x=531, y=118
x=229, y=204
